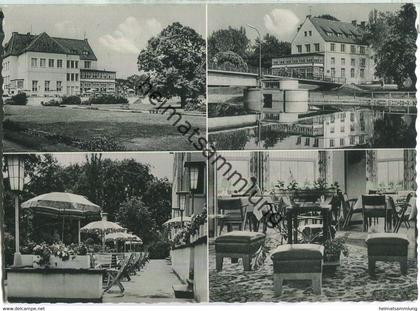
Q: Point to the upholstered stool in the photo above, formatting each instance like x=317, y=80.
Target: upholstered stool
x=238, y=244
x=387, y=247
x=298, y=262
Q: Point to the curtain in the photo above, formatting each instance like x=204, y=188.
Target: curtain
x=371, y=169
x=410, y=170
x=259, y=167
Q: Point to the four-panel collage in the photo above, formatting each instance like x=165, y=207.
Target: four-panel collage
x=208, y=153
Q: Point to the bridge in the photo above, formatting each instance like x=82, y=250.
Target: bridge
x=219, y=75
x=406, y=104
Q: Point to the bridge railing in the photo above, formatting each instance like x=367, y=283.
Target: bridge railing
x=233, y=68
x=270, y=72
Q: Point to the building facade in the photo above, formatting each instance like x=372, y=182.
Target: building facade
x=328, y=50
x=40, y=65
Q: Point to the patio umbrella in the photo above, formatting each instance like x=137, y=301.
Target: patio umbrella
x=121, y=236
x=102, y=228
x=63, y=204
x=177, y=220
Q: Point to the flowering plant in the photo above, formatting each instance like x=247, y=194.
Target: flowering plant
x=183, y=235
x=45, y=251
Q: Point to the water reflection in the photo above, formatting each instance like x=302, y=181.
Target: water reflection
x=346, y=129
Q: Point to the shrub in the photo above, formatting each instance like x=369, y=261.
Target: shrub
x=101, y=144
x=20, y=99
x=231, y=60
x=107, y=99
x=225, y=110
x=159, y=250
x=52, y=103
x=71, y=100
x=195, y=104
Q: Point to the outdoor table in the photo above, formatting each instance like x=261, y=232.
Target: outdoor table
x=292, y=212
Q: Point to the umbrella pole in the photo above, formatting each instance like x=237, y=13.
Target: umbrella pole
x=78, y=230
x=103, y=242
x=62, y=231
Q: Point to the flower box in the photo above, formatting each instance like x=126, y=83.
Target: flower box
x=76, y=262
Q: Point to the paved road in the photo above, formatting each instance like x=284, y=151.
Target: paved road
x=151, y=285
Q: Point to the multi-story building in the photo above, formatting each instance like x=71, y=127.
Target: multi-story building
x=329, y=50
x=41, y=65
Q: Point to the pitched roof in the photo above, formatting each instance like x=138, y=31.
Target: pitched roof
x=21, y=43
x=337, y=31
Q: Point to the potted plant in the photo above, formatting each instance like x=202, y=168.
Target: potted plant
x=333, y=248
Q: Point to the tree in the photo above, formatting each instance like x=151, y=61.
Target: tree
x=158, y=197
x=328, y=16
x=230, y=60
x=175, y=61
x=393, y=38
x=225, y=40
x=137, y=218
x=271, y=48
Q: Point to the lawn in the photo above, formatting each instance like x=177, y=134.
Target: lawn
x=134, y=131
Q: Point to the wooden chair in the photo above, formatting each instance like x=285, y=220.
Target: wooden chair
x=116, y=276
x=233, y=212
x=402, y=217
x=103, y=261
x=373, y=206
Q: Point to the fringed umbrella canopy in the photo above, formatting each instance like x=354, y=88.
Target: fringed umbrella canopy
x=63, y=204
x=102, y=227
x=177, y=220
x=122, y=236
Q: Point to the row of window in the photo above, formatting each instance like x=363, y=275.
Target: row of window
x=333, y=48
x=342, y=141
x=6, y=66
x=352, y=61
x=343, y=117
x=308, y=48
x=58, y=86
x=72, y=77
x=352, y=73
x=352, y=141
x=57, y=63
x=97, y=75
x=299, y=60
x=352, y=127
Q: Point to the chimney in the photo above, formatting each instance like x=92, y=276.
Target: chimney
x=104, y=216
x=354, y=22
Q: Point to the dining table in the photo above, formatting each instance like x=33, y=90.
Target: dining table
x=294, y=210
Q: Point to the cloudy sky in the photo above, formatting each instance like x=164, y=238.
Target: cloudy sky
x=160, y=163
x=116, y=32
x=282, y=20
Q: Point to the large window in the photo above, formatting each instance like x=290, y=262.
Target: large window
x=51, y=63
x=316, y=47
x=287, y=166
x=42, y=62
x=240, y=162
x=34, y=62
x=391, y=169
x=332, y=47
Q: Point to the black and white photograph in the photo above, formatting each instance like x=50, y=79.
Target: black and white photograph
x=313, y=226
x=103, y=77
x=137, y=236
x=309, y=76
x=208, y=154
